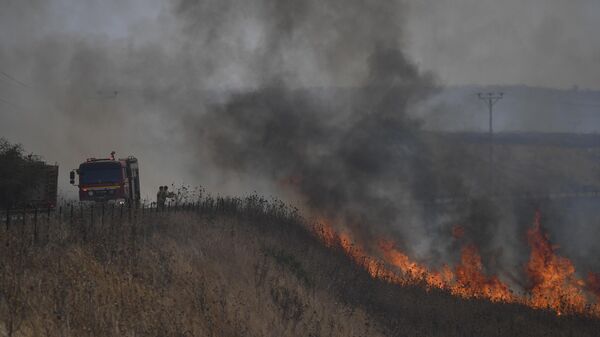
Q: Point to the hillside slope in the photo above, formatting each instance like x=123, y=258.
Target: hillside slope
x=242, y=271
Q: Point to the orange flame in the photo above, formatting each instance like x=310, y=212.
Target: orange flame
x=415, y=273
x=412, y=269
x=472, y=282
x=343, y=240
x=554, y=284
x=468, y=281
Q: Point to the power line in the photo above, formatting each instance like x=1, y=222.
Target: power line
x=13, y=79
x=491, y=99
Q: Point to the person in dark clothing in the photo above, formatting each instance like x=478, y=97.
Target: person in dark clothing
x=162, y=195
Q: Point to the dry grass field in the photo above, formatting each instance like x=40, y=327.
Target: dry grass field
x=544, y=164
x=235, y=268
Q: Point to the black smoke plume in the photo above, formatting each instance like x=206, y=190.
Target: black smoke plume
x=359, y=167
x=349, y=153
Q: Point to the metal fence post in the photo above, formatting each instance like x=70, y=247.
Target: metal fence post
x=35, y=229
x=82, y=217
x=23, y=225
x=121, y=215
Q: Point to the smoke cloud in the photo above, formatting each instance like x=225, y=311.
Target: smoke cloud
x=354, y=155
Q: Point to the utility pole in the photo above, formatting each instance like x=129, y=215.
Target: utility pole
x=491, y=99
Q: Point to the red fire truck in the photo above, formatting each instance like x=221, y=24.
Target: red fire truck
x=109, y=179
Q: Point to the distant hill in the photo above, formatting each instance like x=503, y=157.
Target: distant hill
x=524, y=162
x=567, y=140
x=523, y=108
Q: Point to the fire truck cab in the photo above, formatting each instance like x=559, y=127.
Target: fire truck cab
x=108, y=179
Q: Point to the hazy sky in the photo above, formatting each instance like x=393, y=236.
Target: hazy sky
x=548, y=43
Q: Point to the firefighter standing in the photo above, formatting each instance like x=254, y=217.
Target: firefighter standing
x=160, y=200
x=162, y=195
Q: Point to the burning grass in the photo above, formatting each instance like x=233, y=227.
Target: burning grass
x=554, y=284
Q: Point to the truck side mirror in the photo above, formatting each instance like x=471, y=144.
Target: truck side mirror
x=72, y=177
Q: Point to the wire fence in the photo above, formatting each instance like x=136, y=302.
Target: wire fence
x=86, y=221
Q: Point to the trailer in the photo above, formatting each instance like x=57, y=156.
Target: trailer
x=40, y=189
x=28, y=184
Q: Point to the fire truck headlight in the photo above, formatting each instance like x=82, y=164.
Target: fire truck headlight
x=90, y=193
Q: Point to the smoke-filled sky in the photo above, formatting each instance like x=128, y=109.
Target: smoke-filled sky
x=536, y=42
x=547, y=43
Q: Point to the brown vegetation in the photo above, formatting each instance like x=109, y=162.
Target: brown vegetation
x=229, y=268
x=519, y=168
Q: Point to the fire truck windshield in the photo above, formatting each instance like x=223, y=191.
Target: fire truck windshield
x=97, y=173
